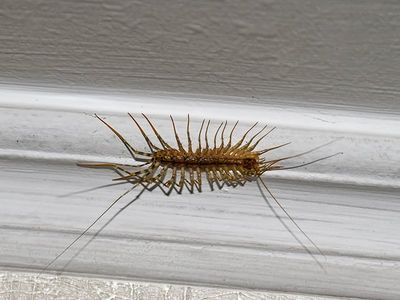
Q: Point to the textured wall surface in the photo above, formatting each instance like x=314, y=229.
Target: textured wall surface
x=339, y=52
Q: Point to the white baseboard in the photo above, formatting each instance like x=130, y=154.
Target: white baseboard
x=349, y=205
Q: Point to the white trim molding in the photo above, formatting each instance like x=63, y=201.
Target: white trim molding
x=349, y=205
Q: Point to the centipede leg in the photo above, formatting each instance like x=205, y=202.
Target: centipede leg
x=157, y=180
x=160, y=139
x=178, y=141
x=149, y=143
x=190, y=150
x=252, y=147
x=206, y=135
x=172, y=181
x=219, y=180
x=210, y=178
x=245, y=177
x=247, y=145
x=198, y=171
x=230, y=137
x=229, y=178
x=191, y=180
x=131, y=150
x=199, y=137
x=146, y=172
x=215, y=137
x=239, y=143
x=181, y=183
x=221, y=146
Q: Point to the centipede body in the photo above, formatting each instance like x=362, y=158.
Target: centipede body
x=231, y=163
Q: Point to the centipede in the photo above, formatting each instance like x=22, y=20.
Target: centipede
x=217, y=160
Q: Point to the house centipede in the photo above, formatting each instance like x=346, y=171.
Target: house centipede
x=233, y=164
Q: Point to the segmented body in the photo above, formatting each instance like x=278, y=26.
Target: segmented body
x=177, y=167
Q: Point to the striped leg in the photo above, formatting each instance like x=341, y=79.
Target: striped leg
x=206, y=134
x=131, y=150
x=145, y=172
x=221, y=146
x=191, y=181
x=172, y=181
x=161, y=140
x=229, y=176
x=178, y=141
x=219, y=180
x=210, y=178
x=157, y=180
x=239, y=143
x=181, y=183
x=246, y=146
x=198, y=171
x=149, y=143
x=199, y=138
x=215, y=136
x=190, y=150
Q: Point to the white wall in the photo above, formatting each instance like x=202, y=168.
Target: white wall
x=330, y=52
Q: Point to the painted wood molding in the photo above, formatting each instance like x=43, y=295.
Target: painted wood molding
x=349, y=205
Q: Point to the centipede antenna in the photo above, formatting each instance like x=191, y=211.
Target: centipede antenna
x=305, y=164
